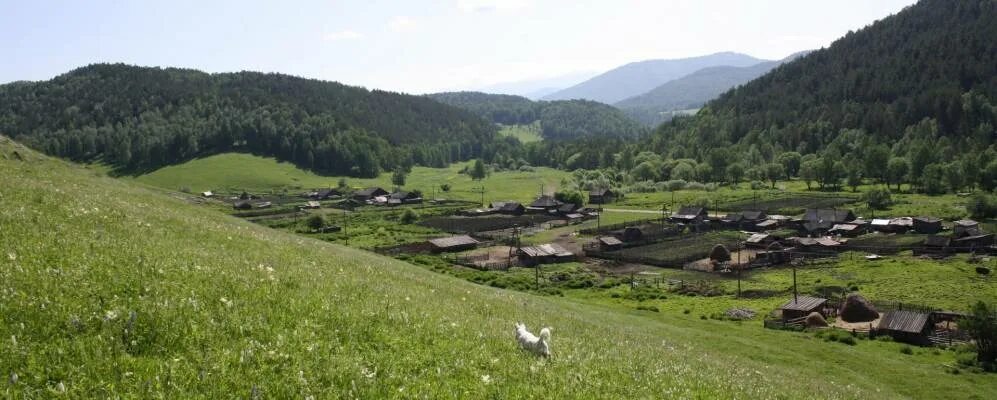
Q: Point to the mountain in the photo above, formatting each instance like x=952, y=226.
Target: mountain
x=921, y=82
x=559, y=120
x=636, y=78
x=137, y=118
x=693, y=90
x=534, y=89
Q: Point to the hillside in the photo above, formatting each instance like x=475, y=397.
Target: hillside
x=139, y=118
x=170, y=299
x=692, y=91
x=636, y=78
x=559, y=120
x=923, y=77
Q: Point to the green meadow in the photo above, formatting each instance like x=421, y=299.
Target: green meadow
x=110, y=289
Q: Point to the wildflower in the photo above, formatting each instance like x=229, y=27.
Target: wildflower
x=368, y=373
x=226, y=302
x=13, y=340
x=61, y=388
x=110, y=315
x=12, y=256
x=13, y=378
x=486, y=379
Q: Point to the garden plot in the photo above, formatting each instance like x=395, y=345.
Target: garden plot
x=461, y=224
x=676, y=252
x=790, y=203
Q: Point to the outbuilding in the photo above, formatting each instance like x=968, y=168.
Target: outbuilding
x=927, y=225
x=906, y=326
x=609, y=243
x=689, y=215
x=601, y=196
x=544, y=254
x=453, y=243
x=801, y=306
x=369, y=194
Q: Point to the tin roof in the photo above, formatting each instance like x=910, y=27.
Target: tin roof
x=610, y=241
x=546, y=250
x=453, y=241
x=803, y=303
x=904, y=321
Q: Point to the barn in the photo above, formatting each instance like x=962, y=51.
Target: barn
x=453, y=243
x=369, y=193
x=689, y=215
x=906, y=326
x=801, y=306
x=609, y=243
x=601, y=196
x=544, y=254
x=927, y=225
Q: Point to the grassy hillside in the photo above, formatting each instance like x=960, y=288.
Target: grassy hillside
x=524, y=133
x=109, y=289
x=238, y=171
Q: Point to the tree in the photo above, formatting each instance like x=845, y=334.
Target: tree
x=645, y=171
x=896, y=171
x=808, y=172
x=954, y=178
x=876, y=161
x=398, y=177
x=735, y=173
x=445, y=187
x=574, y=197
x=920, y=157
x=854, y=177
x=409, y=217
x=315, y=222
x=878, y=198
x=933, y=179
x=791, y=162
x=478, y=170
x=988, y=179
x=774, y=172
x=982, y=327
x=343, y=184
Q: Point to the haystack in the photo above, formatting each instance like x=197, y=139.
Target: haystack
x=720, y=253
x=858, y=309
x=815, y=320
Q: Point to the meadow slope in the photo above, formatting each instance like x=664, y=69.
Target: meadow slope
x=110, y=289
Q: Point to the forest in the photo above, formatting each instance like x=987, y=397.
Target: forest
x=137, y=118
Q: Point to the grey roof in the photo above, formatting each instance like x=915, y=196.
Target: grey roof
x=546, y=250
x=844, y=227
x=803, y=303
x=928, y=220
x=610, y=241
x=545, y=202
x=758, y=238
x=369, y=191
x=403, y=195
x=904, y=321
x=828, y=214
x=453, y=241
x=768, y=222
x=967, y=223
x=567, y=207
x=753, y=215
x=936, y=241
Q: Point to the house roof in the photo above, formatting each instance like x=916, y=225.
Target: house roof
x=880, y=222
x=927, y=220
x=327, y=192
x=767, y=223
x=903, y=221
x=733, y=217
x=402, y=195
x=545, y=202
x=904, y=321
x=694, y=211
x=966, y=223
x=369, y=191
x=574, y=216
x=610, y=241
x=936, y=241
x=546, y=250
x=758, y=238
x=753, y=215
x=567, y=207
x=803, y=303
x=844, y=227
x=828, y=214
x=453, y=241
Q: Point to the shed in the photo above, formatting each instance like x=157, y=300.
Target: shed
x=574, y=218
x=760, y=240
x=403, y=197
x=689, y=215
x=312, y=204
x=508, y=207
x=369, y=193
x=601, y=196
x=610, y=243
x=976, y=241
x=242, y=205
x=906, y=326
x=453, y=243
x=631, y=234
x=545, y=202
x=326, y=194
x=848, y=230
x=927, y=225
x=768, y=224
x=207, y=194
x=264, y=204
x=543, y=254
x=880, y=225
x=801, y=306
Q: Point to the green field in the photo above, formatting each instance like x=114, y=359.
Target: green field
x=109, y=289
x=237, y=172
x=525, y=133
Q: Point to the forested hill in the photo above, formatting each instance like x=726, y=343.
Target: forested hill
x=559, y=120
x=925, y=77
x=142, y=118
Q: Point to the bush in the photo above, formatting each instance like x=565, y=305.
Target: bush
x=878, y=199
x=445, y=187
x=409, y=217
x=695, y=186
x=315, y=222
x=757, y=185
x=648, y=308
x=675, y=184
x=907, y=350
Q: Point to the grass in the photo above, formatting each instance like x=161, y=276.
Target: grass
x=235, y=172
x=525, y=133
x=109, y=289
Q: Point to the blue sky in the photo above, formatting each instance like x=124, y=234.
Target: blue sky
x=412, y=46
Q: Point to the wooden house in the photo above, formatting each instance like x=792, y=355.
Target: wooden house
x=601, y=196
x=568, y=208
x=369, y=194
x=846, y=230
x=574, y=218
x=207, y=194
x=801, y=306
x=965, y=227
x=689, y=215
x=543, y=205
x=508, y=207
x=832, y=215
x=927, y=225
x=327, y=194
x=760, y=240
x=629, y=234
x=906, y=326
x=403, y=197
x=544, y=254
x=453, y=243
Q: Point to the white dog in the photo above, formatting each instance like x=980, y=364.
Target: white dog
x=539, y=345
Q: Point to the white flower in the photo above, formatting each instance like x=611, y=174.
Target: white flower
x=12, y=256
x=486, y=379
x=110, y=315
x=13, y=340
x=13, y=378
x=368, y=373
x=61, y=388
x=226, y=302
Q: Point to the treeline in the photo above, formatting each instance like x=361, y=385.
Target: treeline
x=559, y=120
x=142, y=118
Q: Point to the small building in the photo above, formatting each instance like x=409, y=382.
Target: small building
x=544, y=254
x=609, y=243
x=242, y=205
x=689, y=215
x=774, y=254
x=966, y=227
x=972, y=243
x=768, y=224
x=880, y=225
x=508, y=207
x=326, y=194
x=802, y=306
x=760, y=240
x=629, y=234
x=927, y=225
x=369, y=194
x=906, y=326
x=901, y=225
x=846, y=230
x=543, y=205
x=403, y=197
x=601, y=196
x=568, y=208
x=574, y=218
x=207, y=194
x=453, y=243
x=265, y=204
x=312, y=205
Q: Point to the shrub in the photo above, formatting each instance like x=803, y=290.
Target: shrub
x=675, y=184
x=648, y=308
x=907, y=350
x=757, y=185
x=445, y=187
x=695, y=186
x=409, y=217
x=878, y=199
x=315, y=222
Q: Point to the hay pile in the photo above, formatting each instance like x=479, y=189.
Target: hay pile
x=815, y=320
x=858, y=309
x=720, y=253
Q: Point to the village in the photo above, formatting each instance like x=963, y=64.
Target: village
x=528, y=242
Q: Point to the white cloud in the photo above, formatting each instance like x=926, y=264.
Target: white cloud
x=401, y=23
x=470, y=6
x=342, y=35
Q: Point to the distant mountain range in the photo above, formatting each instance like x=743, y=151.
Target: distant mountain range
x=693, y=90
x=640, y=77
x=535, y=89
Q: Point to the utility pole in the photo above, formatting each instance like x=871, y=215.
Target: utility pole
x=796, y=293
x=482, y=194
x=739, y=247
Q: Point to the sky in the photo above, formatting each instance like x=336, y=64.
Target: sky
x=413, y=46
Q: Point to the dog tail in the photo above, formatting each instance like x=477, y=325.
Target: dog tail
x=545, y=334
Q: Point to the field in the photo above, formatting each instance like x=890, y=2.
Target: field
x=176, y=300
x=236, y=172
x=525, y=133
x=678, y=251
